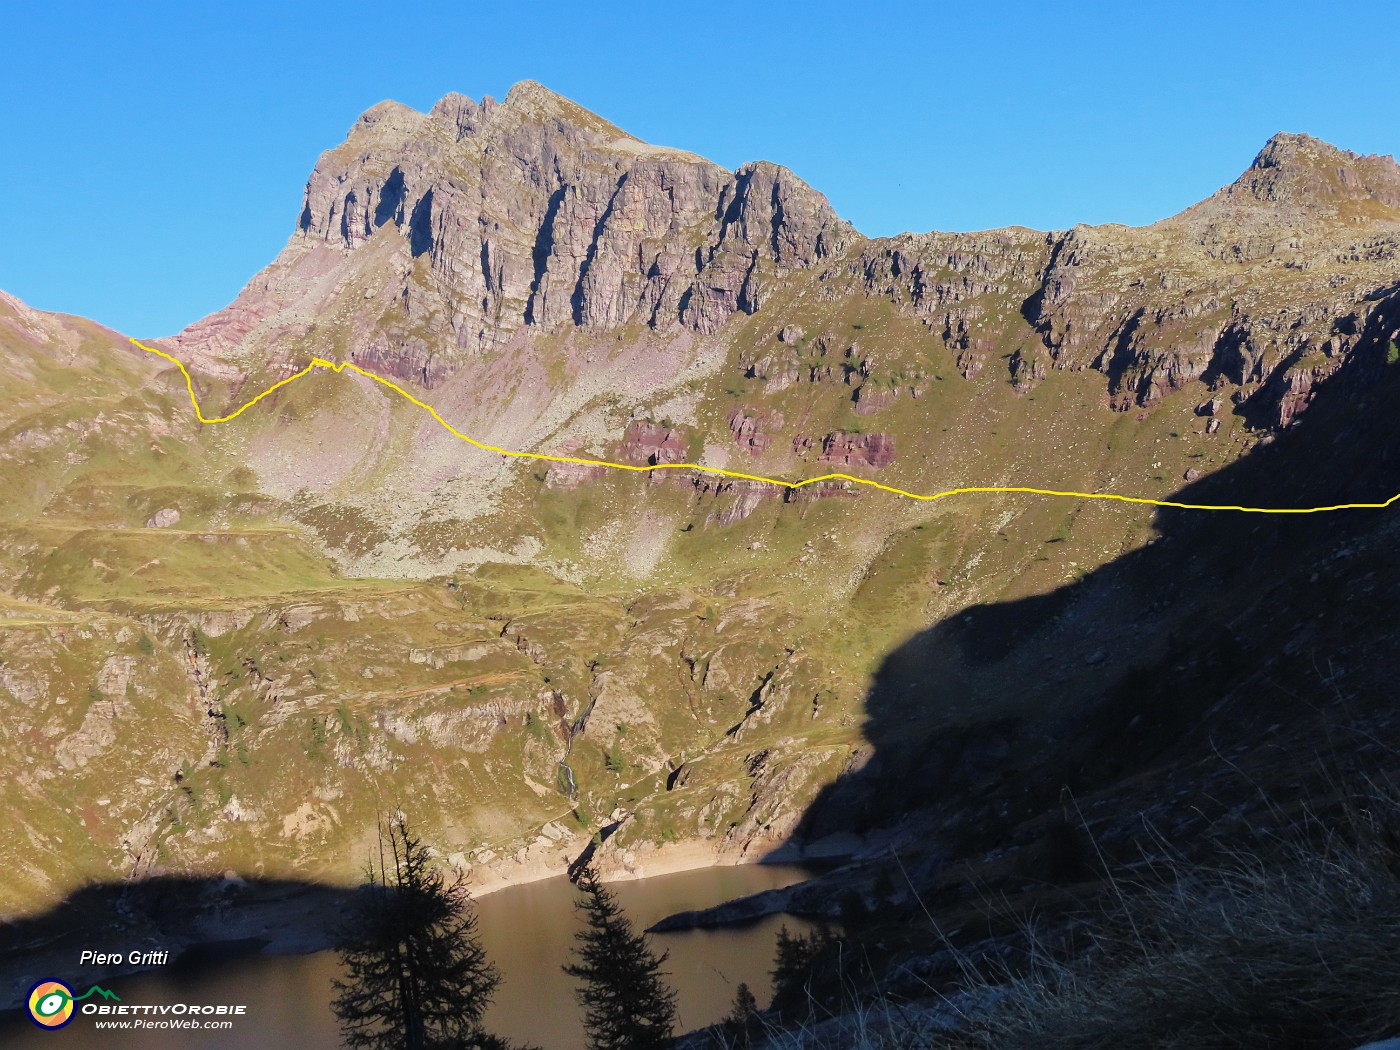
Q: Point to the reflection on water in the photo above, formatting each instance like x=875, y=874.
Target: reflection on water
x=528, y=932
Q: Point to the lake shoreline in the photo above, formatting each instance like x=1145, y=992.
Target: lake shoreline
x=300, y=918
x=626, y=864
x=529, y=933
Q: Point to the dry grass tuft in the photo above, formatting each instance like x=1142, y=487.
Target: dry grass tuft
x=1295, y=945
x=1299, y=951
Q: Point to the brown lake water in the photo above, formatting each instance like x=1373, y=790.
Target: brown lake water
x=528, y=932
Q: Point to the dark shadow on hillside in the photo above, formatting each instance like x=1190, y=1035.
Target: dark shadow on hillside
x=202, y=922
x=1204, y=679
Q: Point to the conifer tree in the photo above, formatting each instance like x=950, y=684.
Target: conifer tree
x=792, y=970
x=806, y=972
x=742, y=1025
x=416, y=973
x=627, y=1004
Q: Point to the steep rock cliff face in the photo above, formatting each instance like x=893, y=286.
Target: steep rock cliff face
x=427, y=238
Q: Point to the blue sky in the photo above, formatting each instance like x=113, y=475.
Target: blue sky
x=154, y=153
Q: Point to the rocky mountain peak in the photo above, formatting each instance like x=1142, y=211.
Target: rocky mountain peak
x=531, y=94
x=1302, y=170
x=1295, y=183
x=1288, y=147
x=1297, y=194
x=535, y=102
x=455, y=229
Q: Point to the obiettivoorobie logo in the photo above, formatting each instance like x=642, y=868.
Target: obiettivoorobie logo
x=51, y=1002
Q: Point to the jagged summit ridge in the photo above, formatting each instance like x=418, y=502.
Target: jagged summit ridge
x=531, y=102
x=459, y=227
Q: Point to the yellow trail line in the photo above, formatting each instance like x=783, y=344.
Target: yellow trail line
x=317, y=362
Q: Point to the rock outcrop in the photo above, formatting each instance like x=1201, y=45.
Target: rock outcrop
x=850, y=450
x=651, y=444
x=754, y=433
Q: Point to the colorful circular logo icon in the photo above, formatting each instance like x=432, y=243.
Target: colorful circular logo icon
x=51, y=1004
